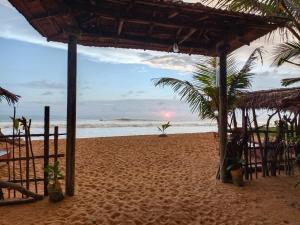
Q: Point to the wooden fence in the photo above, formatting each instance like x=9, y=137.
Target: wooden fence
x=21, y=162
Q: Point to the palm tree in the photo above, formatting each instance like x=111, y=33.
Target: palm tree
x=8, y=96
x=202, y=92
x=288, y=52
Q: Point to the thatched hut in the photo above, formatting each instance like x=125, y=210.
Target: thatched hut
x=274, y=144
x=286, y=99
x=160, y=25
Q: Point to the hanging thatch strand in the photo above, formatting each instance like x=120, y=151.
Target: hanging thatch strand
x=282, y=99
x=8, y=96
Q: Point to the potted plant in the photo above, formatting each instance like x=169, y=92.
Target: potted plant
x=54, y=187
x=235, y=168
x=162, y=128
x=297, y=161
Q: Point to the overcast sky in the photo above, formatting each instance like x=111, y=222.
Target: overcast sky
x=37, y=69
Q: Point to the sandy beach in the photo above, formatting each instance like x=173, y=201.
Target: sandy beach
x=149, y=180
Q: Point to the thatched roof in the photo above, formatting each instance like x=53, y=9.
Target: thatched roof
x=283, y=99
x=8, y=96
x=145, y=24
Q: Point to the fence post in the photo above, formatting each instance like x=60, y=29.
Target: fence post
x=55, y=143
x=46, y=146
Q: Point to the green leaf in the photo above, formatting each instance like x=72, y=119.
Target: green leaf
x=16, y=123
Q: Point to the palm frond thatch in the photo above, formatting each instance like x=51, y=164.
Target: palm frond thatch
x=283, y=98
x=8, y=96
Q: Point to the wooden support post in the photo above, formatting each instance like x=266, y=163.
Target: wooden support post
x=223, y=115
x=71, y=115
x=46, y=147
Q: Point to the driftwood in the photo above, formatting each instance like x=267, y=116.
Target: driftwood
x=16, y=201
x=32, y=196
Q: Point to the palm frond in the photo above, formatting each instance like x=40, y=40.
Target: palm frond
x=262, y=7
x=189, y=93
x=240, y=81
x=202, y=93
x=287, y=52
x=8, y=96
x=289, y=81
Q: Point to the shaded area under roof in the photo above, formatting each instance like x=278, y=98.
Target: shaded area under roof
x=282, y=99
x=145, y=24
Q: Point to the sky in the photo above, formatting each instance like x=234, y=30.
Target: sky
x=37, y=70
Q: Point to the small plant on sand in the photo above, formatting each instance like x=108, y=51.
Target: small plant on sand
x=235, y=166
x=162, y=128
x=54, y=188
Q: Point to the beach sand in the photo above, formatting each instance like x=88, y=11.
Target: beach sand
x=150, y=180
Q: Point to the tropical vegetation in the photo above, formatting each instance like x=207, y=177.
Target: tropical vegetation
x=288, y=52
x=202, y=93
x=8, y=96
x=162, y=128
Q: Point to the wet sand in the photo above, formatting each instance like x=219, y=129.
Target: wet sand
x=150, y=180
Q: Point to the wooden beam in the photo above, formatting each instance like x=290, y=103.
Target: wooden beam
x=223, y=115
x=71, y=115
x=138, y=18
x=49, y=15
x=120, y=27
x=202, y=18
x=142, y=40
x=173, y=14
x=186, y=37
x=178, y=32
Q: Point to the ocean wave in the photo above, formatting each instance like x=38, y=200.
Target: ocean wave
x=120, y=123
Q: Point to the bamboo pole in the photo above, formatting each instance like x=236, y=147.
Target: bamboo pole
x=13, y=150
x=27, y=156
x=20, y=162
x=8, y=166
x=245, y=142
x=32, y=155
x=264, y=166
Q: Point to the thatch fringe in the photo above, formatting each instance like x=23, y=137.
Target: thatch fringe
x=283, y=99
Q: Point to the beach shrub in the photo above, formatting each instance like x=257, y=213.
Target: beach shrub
x=54, y=187
x=162, y=128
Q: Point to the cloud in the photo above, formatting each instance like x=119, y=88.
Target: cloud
x=14, y=26
x=47, y=93
x=177, y=62
x=5, y=3
x=133, y=94
x=43, y=84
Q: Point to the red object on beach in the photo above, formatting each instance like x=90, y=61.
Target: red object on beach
x=4, y=154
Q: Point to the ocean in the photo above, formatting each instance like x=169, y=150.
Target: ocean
x=118, y=127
